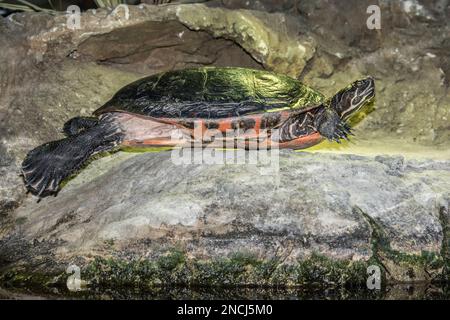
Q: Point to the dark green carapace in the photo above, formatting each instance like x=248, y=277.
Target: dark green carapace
x=211, y=93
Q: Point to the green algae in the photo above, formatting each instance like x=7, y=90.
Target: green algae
x=175, y=270
x=21, y=220
x=175, y=267
x=239, y=269
x=400, y=266
x=445, y=249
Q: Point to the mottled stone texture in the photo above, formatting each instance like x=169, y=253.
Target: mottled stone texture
x=367, y=208
x=343, y=207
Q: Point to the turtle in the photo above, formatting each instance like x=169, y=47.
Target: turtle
x=206, y=106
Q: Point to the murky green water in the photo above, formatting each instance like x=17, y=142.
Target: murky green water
x=392, y=292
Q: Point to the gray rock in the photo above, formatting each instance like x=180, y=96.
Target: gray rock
x=313, y=203
x=395, y=165
x=408, y=57
x=386, y=203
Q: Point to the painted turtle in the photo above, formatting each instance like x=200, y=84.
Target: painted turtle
x=210, y=106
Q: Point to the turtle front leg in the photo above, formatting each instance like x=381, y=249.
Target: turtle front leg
x=79, y=124
x=331, y=126
x=47, y=165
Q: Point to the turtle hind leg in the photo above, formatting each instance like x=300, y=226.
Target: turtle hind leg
x=78, y=124
x=47, y=165
x=331, y=126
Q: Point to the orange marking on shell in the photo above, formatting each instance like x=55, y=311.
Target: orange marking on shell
x=224, y=125
x=299, y=143
x=257, y=126
x=202, y=125
x=302, y=142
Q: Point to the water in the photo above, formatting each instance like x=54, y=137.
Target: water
x=438, y=291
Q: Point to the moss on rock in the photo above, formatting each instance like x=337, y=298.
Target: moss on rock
x=399, y=266
x=174, y=269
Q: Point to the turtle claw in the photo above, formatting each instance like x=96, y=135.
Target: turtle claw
x=341, y=132
x=332, y=127
x=348, y=129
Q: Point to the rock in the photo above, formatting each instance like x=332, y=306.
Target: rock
x=143, y=207
x=322, y=217
x=411, y=67
x=285, y=6
x=395, y=164
x=270, y=39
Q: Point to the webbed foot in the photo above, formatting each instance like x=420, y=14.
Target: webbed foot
x=330, y=125
x=342, y=131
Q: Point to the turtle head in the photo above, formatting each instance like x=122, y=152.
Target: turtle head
x=353, y=98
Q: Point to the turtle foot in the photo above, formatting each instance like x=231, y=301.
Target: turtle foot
x=332, y=127
x=40, y=171
x=342, y=131
x=46, y=166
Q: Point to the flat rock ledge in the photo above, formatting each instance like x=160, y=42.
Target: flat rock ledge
x=148, y=219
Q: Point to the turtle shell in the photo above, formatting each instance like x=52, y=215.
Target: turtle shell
x=211, y=93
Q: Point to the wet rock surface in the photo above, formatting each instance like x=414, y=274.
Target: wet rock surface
x=370, y=208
